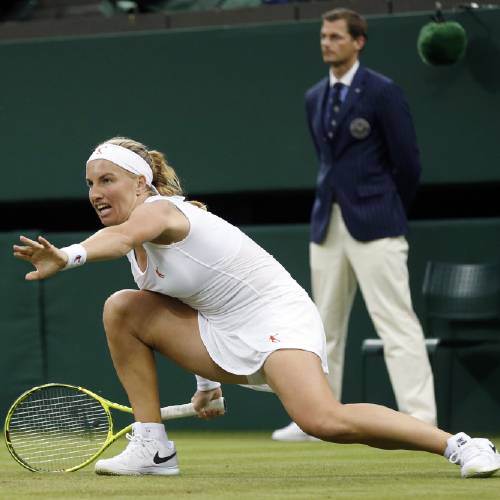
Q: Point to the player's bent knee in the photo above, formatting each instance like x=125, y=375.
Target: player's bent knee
x=118, y=306
x=328, y=426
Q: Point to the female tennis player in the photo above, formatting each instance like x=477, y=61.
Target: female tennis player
x=217, y=304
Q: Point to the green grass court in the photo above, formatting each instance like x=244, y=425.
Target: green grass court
x=237, y=465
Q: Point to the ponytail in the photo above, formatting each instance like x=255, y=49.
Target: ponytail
x=165, y=179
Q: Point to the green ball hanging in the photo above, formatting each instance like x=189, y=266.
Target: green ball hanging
x=441, y=43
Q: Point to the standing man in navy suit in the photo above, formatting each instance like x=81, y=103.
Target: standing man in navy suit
x=369, y=169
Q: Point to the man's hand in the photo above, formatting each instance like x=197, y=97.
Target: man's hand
x=201, y=399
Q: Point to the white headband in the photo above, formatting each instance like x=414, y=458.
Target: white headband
x=124, y=158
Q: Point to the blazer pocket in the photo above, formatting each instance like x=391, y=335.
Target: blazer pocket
x=366, y=190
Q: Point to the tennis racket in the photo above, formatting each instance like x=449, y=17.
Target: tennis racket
x=62, y=428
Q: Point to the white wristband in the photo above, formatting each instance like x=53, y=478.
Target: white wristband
x=203, y=384
x=77, y=255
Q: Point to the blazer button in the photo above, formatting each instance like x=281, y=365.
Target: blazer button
x=330, y=135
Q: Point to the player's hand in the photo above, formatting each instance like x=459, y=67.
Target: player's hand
x=45, y=257
x=201, y=399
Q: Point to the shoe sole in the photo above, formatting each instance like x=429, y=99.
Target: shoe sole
x=296, y=440
x=481, y=473
x=151, y=472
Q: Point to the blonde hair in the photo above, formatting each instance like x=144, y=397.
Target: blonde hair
x=165, y=179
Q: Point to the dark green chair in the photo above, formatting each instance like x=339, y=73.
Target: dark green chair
x=461, y=294
x=462, y=302
x=462, y=311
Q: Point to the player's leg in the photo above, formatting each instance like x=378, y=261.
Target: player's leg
x=137, y=323
x=381, y=267
x=297, y=378
x=140, y=322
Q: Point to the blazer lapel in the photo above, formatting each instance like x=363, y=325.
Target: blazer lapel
x=323, y=95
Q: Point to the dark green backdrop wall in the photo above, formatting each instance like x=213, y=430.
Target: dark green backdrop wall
x=227, y=104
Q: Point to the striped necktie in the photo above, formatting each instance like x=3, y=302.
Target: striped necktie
x=333, y=108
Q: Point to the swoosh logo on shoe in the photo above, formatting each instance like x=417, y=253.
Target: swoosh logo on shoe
x=492, y=446
x=161, y=460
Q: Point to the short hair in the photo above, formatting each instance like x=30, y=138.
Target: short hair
x=356, y=24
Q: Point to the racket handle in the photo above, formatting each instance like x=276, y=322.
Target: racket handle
x=187, y=410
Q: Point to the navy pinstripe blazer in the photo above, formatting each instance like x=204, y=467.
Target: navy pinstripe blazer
x=371, y=165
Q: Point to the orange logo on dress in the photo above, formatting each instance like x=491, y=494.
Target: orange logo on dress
x=159, y=274
x=273, y=338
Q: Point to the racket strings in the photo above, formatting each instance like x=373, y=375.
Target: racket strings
x=57, y=428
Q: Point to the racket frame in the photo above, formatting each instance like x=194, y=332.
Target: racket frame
x=106, y=405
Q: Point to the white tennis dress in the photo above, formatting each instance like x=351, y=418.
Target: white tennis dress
x=248, y=304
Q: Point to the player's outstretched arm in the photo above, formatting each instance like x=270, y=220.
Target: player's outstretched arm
x=145, y=224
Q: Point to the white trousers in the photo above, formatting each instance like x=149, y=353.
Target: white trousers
x=380, y=268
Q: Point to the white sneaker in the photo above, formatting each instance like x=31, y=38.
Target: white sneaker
x=477, y=457
x=144, y=454
x=292, y=432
